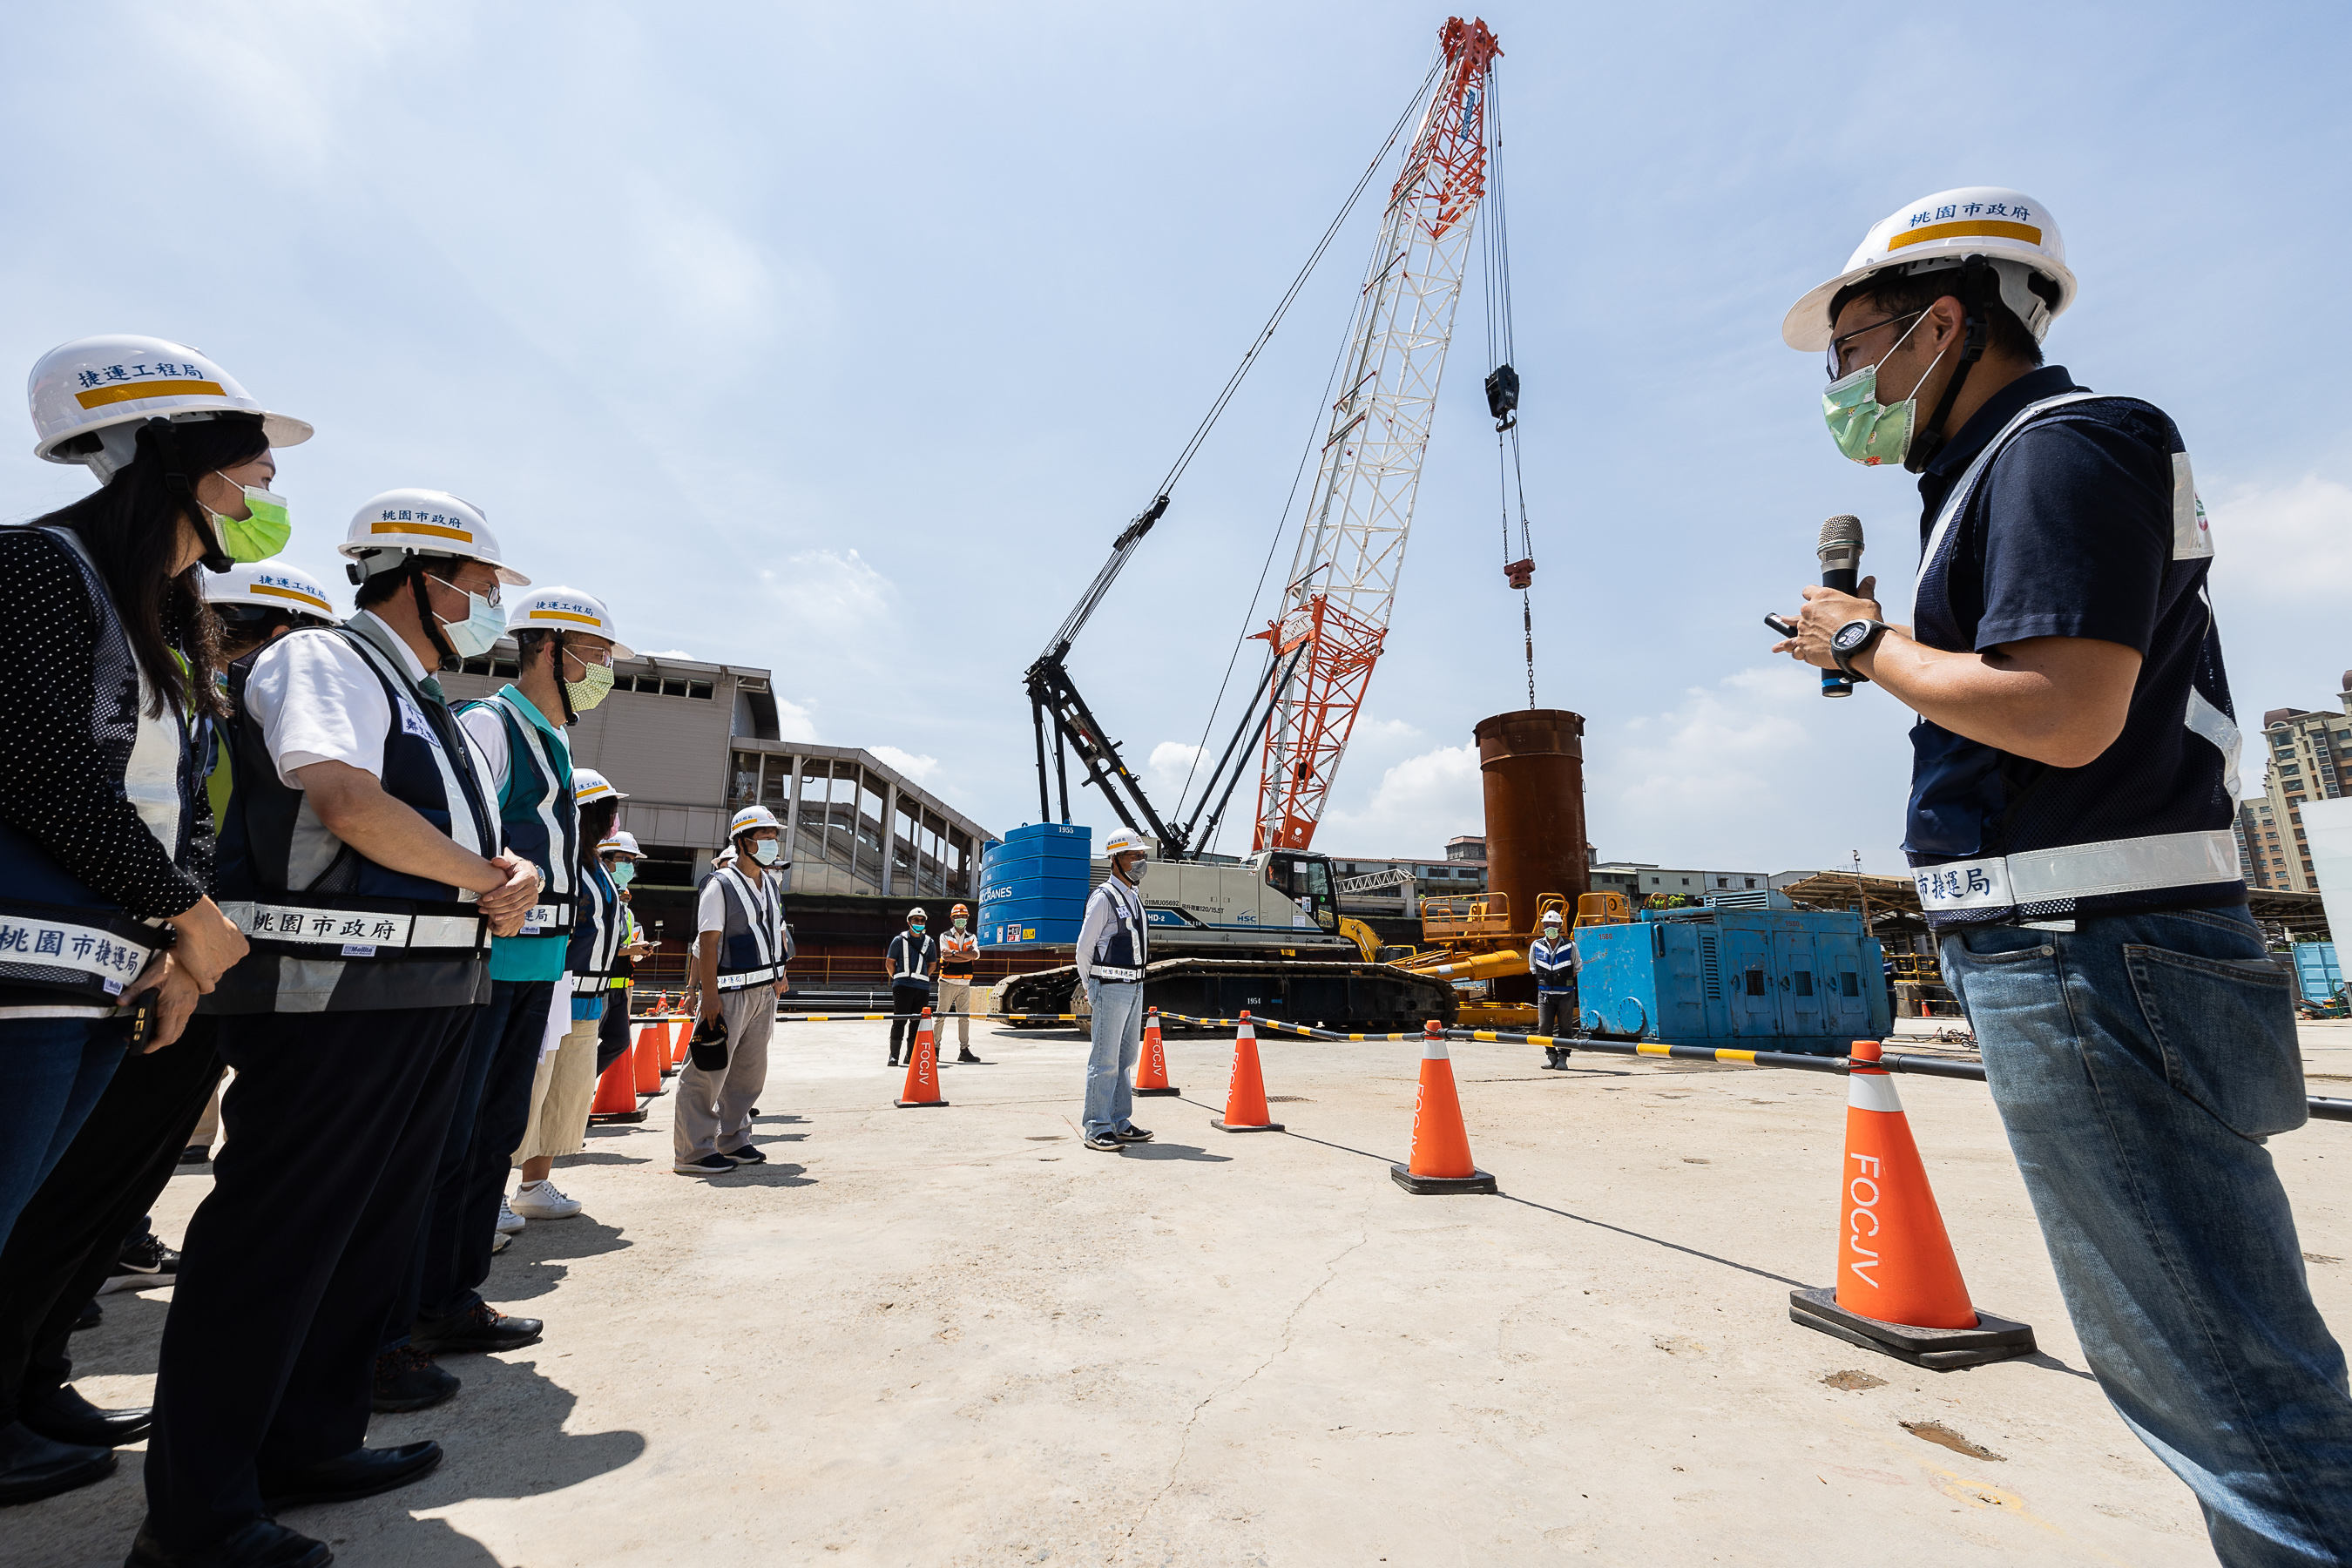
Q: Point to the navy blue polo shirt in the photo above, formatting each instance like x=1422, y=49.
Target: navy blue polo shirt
x=2084, y=524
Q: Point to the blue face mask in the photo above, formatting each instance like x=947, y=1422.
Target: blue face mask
x=475, y=635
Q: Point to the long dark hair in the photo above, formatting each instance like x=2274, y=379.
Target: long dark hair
x=132, y=529
x=596, y=826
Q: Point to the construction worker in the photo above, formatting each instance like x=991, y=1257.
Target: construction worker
x=741, y=945
x=2074, y=774
x=1552, y=959
x=362, y=855
x=912, y=960
x=1114, y=945
x=107, y=673
x=959, y=959
x=619, y=856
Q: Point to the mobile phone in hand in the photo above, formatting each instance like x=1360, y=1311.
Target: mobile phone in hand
x=139, y=1015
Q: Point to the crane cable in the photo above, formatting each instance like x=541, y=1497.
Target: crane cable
x=1282, y=523
x=1503, y=385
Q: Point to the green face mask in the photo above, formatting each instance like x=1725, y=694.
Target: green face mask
x=1866, y=430
x=622, y=872
x=586, y=694
x=257, y=537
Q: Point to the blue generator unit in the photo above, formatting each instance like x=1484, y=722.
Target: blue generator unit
x=1781, y=980
x=1033, y=887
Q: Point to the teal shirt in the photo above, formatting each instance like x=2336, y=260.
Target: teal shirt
x=530, y=957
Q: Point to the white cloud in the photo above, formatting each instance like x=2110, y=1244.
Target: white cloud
x=794, y=722
x=1165, y=772
x=833, y=594
x=917, y=768
x=1420, y=803
x=2283, y=543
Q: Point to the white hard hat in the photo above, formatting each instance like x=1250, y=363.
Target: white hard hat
x=1550, y=917
x=918, y=913
x=93, y=385
x=400, y=524
x=620, y=844
x=588, y=784
x=1127, y=842
x=749, y=819
x=272, y=584
x=2013, y=231
x=565, y=610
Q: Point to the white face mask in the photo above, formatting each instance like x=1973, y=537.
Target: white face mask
x=475, y=635
x=767, y=851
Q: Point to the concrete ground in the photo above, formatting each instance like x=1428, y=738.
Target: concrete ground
x=957, y=1337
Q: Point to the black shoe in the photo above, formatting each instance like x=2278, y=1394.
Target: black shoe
x=64, y=1417
x=195, y=1154
x=147, y=1254
x=746, y=1155
x=259, y=1543
x=1106, y=1141
x=894, y=1059
x=91, y=1316
x=1131, y=1134
x=708, y=1165
x=480, y=1327
x=407, y=1379
x=362, y=1472
x=33, y=1467
x=967, y=1056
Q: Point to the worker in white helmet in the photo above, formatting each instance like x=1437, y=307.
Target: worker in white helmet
x=109, y=671
x=2075, y=776
x=741, y=946
x=1113, y=946
x=362, y=855
x=1552, y=961
x=912, y=962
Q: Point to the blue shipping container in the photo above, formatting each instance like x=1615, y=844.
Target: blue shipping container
x=2317, y=973
x=1781, y=980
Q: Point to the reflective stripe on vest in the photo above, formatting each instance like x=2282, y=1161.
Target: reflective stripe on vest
x=2080, y=871
x=1126, y=948
x=596, y=938
x=752, y=955
x=539, y=818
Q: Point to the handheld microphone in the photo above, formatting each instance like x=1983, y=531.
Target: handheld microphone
x=1839, y=552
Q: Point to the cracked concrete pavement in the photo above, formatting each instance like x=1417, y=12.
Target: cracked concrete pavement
x=958, y=1337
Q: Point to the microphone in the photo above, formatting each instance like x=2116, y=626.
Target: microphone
x=1839, y=552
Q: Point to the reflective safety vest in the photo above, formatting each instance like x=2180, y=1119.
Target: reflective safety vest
x=537, y=817
x=755, y=944
x=959, y=955
x=910, y=959
x=596, y=935
x=1553, y=963
x=1126, y=947
x=331, y=931
x=62, y=943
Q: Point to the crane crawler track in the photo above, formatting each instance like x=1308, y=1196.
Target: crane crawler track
x=1347, y=994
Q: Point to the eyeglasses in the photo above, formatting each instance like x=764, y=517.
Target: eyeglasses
x=1837, y=366
x=587, y=655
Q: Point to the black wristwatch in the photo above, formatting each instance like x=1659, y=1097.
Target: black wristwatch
x=1852, y=638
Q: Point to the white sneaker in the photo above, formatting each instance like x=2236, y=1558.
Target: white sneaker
x=542, y=1200
x=509, y=1221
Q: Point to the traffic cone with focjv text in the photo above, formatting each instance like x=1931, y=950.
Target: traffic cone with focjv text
x=1441, y=1159
x=1898, y=1288
x=616, y=1092
x=1246, y=1090
x=922, y=1069
x=1151, y=1067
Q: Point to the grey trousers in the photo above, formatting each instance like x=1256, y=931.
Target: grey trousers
x=715, y=1108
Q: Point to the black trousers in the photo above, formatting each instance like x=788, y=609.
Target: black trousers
x=487, y=1120
x=67, y=1240
x=1555, y=1012
x=907, y=998
x=613, y=1035
x=334, y=1126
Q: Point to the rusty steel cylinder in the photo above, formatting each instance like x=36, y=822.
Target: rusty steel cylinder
x=1531, y=763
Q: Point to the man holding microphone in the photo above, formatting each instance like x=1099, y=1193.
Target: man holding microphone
x=2074, y=780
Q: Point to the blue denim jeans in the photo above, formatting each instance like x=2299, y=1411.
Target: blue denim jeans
x=57, y=1068
x=1110, y=1067
x=2139, y=1061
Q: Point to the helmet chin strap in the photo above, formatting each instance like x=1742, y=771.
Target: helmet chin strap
x=1976, y=276
x=167, y=448
x=558, y=648
x=445, y=655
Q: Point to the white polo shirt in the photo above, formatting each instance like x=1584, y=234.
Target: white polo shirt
x=319, y=701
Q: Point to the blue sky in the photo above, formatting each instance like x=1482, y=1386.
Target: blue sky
x=842, y=339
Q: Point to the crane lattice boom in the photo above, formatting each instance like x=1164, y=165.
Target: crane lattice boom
x=1343, y=577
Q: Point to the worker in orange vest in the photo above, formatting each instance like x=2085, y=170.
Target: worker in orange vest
x=959, y=957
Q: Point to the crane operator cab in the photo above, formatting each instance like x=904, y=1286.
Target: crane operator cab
x=1305, y=880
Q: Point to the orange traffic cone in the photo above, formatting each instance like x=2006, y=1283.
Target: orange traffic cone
x=922, y=1070
x=681, y=1031
x=616, y=1093
x=1246, y=1090
x=1151, y=1067
x=1440, y=1145
x=647, y=1053
x=1898, y=1288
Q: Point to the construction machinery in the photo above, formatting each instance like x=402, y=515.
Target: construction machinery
x=1265, y=933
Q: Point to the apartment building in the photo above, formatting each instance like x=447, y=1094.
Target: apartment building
x=2307, y=756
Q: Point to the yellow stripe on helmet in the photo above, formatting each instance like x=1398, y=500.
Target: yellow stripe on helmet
x=1979, y=228
x=460, y=534
x=276, y=593
x=132, y=391
x=563, y=615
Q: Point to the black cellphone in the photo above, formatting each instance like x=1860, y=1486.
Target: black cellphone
x=1777, y=624
x=138, y=1015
